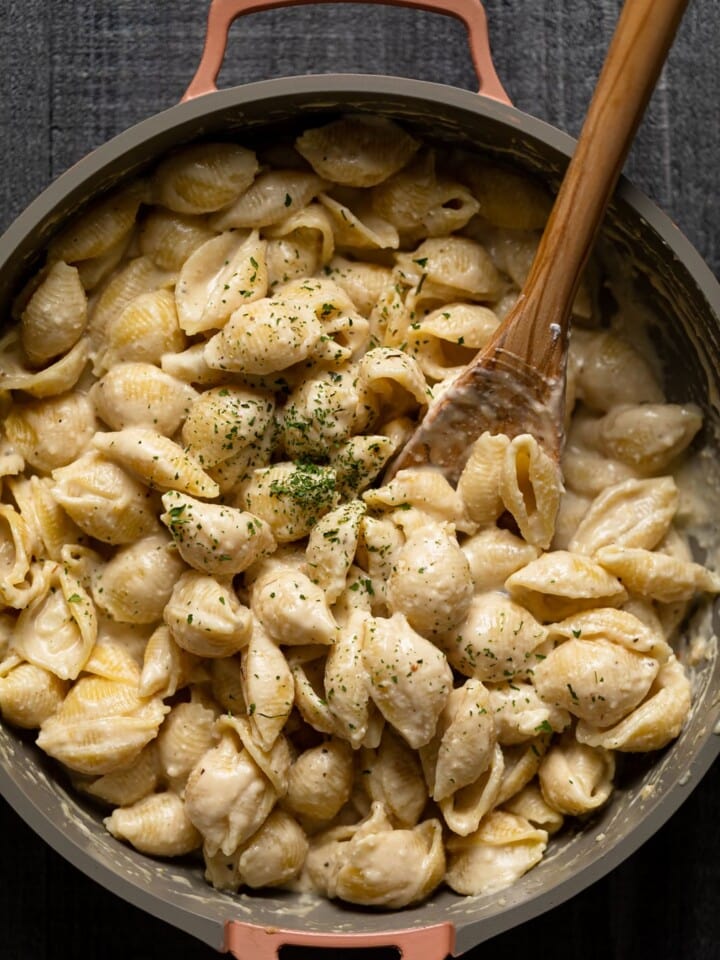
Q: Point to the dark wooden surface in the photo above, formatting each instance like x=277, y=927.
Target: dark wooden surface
x=75, y=72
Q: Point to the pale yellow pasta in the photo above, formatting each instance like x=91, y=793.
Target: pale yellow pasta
x=55, y=316
x=103, y=500
x=393, y=776
x=451, y=268
x=506, y=198
x=205, y=617
x=156, y=460
x=373, y=864
x=136, y=583
x=267, y=686
x=186, y=734
x=430, y=583
x=274, y=761
x=448, y=338
x=359, y=460
x=58, y=377
x=410, y=678
x=121, y=788
x=657, y=575
x=143, y=331
x=497, y=640
x=273, y=196
x=320, y=782
x=169, y=238
x=560, y=583
x=493, y=554
x=101, y=726
x=464, y=809
x=576, y=778
x=290, y=497
x=18, y=543
x=311, y=229
x=332, y=544
x=611, y=372
x=51, y=433
x=346, y=681
x=596, y=680
x=29, y=694
x=520, y=714
x=355, y=225
x=204, y=177
x=140, y=394
x=426, y=490
x=587, y=472
x=363, y=282
x=222, y=421
x=227, y=798
x=222, y=275
x=656, y=722
x=157, y=824
x=530, y=487
x=357, y=151
x=166, y=666
x=530, y=804
x=293, y=609
x=498, y=853
x=99, y=228
x=214, y=538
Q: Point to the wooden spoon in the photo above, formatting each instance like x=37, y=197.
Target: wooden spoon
x=516, y=384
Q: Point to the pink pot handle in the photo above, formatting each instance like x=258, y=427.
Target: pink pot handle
x=223, y=12
x=248, y=941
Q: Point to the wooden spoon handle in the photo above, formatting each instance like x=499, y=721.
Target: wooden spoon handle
x=642, y=38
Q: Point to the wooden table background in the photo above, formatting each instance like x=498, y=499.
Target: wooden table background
x=75, y=72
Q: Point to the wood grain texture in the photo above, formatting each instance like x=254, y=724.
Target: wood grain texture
x=75, y=72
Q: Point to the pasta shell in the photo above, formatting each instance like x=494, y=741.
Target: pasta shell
x=145, y=330
x=498, y=853
x=358, y=461
x=636, y=513
x=185, y=736
x=274, y=762
x=310, y=694
x=497, y=641
x=356, y=225
x=268, y=687
x=293, y=609
x=221, y=276
x=204, y=177
x=657, y=575
x=157, y=825
x=29, y=695
x=358, y=151
x=419, y=203
x=311, y=229
x=576, y=778
x=332, y=544
x=596, y=680
x=479, y=482
x=206, y=618
x=104, y=501
x=448, y=338
x=522, y=762
x=410, y=678
x=464, y=809
x=137, y=277
x=530, y=804
x=169, y=238
x=346, y=681
x=225, y=420
x=652, y=725
x=190, y=366
x=623, y=627
x=464, y=741
x=451, y=268
x=92, y=272
x=392, y=775
x=520, y=714
x=100, y=227
x=57, y=630
x=56, y=378
x=430, y=583
x=493, y=555
x=530, y=487
x=142, y=395
x=127, y=786
x=227, y=797
x=426, y=490
x=507, y=197
x=55, y=316
x=393, y=379
x=273, y=196
x=226, y=684
x=290, y=497
x=18, y=543
x=135, y=585
x=51, y=433
x=166, y=667
x=324, y=411
x=275, y=854
x=101, y=726
x=364, y=283
x=49, y=523
x=559, y=584
x=610, y=371
x=214, y=538
x=648, y=436
x=320, y=781
x=157, y=461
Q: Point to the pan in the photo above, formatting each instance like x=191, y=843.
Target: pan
x=682, y=289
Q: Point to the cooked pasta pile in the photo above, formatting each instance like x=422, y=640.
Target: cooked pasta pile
x=224, y=625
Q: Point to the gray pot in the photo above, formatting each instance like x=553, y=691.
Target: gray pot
x=685, y=296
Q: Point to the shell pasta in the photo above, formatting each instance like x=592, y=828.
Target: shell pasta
x=224, y=626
